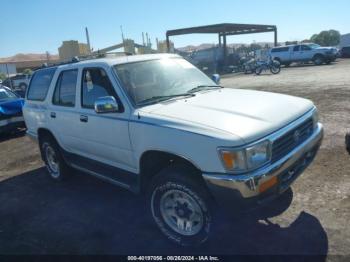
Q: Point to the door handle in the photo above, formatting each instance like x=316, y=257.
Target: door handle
x=53, y=115
x=83, y=118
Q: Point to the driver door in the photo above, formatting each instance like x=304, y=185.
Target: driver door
x=104, y=137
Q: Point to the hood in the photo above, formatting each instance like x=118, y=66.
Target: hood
x=247, y=114
x=11, y=106
x=325, y=48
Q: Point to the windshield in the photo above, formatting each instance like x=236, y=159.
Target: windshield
x=314, y=46
x=5, y=94
x=156, y=80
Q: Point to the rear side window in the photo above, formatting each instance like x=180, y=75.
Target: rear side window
x=40, y=83
x=305, y=48
x=64, y=94
x=296, y=48
x=95, y=84
x=280, y=49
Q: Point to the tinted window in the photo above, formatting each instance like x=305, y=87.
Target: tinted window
x=305, y=48
x=65, y=88
x=296, y=48
x=280, y=49
x=95, y=84
x=40, y=83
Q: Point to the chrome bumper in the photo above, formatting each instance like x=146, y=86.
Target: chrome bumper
x=226, y=188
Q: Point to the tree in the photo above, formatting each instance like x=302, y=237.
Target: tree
x=27, y=71
x=326, y=38
x=3, y=76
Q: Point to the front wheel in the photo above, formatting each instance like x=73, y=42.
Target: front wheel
x=181, y=207
x=275, y=68
x=318, y=60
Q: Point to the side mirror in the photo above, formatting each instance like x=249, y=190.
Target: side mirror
x=216, y=78
x=106, y=104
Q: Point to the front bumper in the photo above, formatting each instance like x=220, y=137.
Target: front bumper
x=10, y=124
x=243, y=191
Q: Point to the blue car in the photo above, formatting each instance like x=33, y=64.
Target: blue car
x=11, y=117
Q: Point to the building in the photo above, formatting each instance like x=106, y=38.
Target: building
x=163, y=48
x=72, y=48
x=8, y=69
x=344, y=40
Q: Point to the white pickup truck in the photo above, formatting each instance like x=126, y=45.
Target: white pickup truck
x=156, y=124
x=304, y=53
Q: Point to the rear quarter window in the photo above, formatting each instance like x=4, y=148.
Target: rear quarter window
x=40, y=83
x=280, y=49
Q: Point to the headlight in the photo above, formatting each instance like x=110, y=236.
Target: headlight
x=258, y=155
x=315, y=118
x=242, y=160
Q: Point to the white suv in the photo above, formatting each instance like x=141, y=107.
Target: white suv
x=157, y=124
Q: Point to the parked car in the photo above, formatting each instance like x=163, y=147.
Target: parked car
x=345, y=52
x=11, y=105
x=304, y=53
x=156, y=124
x=19, y=81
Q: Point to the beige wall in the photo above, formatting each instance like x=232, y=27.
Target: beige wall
x=70, y=49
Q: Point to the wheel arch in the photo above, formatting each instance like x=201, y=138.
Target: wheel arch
x=42, y=133
x=318, y=54
x=153, y=161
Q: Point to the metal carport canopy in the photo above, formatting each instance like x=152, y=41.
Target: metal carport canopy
x=224, y=30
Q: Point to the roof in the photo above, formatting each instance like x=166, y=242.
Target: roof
x=226, y=28
x=111, y=61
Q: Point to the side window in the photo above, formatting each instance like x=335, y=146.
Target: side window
x=95, y=84
x=40, y=83
x=64, y=94
x=305, y=48
x=296, y=48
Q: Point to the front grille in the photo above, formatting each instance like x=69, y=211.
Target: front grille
x=290, y=140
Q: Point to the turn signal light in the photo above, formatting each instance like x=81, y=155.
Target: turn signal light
x=268, y=184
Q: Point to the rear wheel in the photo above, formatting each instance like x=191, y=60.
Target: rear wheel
x=181, y=206
x=275, y=68
x=23, y=86
x=55, y=164
x=347, y=142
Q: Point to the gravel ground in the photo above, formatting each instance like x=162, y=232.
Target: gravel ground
x=87, y=216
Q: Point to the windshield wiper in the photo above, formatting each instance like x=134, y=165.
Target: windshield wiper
x=204, y=87
x=163, y=98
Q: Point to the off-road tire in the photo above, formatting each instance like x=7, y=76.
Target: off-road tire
x=177, y=178
x=318, y=60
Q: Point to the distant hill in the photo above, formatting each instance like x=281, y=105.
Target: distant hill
x=28, y=57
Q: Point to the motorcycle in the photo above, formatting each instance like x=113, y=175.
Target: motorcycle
x=272, y=65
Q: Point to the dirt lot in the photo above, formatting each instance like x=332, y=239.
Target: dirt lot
x=87, y=216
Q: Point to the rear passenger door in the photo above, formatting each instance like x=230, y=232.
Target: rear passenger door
x=104, y=137
x=62, y=111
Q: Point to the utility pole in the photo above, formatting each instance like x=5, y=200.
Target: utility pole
x=88, y=39
x=8, y=76
x=47, y=57
x=121, y=29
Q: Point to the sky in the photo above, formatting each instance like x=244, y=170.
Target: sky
x=38, y=26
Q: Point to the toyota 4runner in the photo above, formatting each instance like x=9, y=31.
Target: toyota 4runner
x=157, y=124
